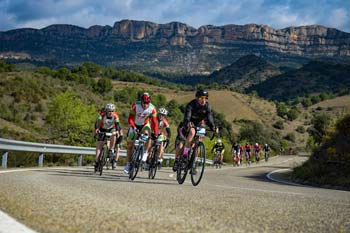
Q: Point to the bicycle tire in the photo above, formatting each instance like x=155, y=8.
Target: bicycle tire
x=182, y=169
x=153, y=164
x=135, y=163
x=102, y=158
x=198, y=163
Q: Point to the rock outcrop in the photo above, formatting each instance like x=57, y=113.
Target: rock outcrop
x=175, y=46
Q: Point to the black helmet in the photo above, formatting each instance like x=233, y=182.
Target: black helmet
x=202, y=92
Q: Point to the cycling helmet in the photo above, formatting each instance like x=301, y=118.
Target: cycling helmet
x=219, y=141
x=145, y=98
x=163, y=111
x=109, y=107
x=202, y=92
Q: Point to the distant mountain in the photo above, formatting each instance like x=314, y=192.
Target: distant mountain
x=313, y=78
x=243, y=73
x=173, y=47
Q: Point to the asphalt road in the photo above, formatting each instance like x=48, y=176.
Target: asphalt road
x=227, y=200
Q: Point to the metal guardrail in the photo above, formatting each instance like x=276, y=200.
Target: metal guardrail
x=13, y=145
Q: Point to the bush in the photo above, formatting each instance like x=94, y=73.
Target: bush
x=278, y=125
x=290, y=137
x=300, y=129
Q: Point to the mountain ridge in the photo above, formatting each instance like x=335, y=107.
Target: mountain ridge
x=174, y=47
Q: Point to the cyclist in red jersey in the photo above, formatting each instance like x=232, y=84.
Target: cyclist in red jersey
x=142, y=118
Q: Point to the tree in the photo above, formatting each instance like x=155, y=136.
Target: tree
x=282, y=109
x=104, y=85
x=71, y=120
x=318, y=130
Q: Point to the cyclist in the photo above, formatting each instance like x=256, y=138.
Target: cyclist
x=142, y=118
x=236, y=154
x=257, y=149
x=196, y=113
x=248, y=155
x=163, y=124
x=219, y=147
x=107, y=121
x=267, y=151
x=241, y=151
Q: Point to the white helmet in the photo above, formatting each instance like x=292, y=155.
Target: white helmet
x=219, y=141
x=163, y=111
x=110, y=107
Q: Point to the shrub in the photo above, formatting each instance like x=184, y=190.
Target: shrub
x=278, y=125
x=300, y=129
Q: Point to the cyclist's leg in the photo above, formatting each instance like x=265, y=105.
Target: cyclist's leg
x=189, y=138
x=146, y=129
x=131, y=136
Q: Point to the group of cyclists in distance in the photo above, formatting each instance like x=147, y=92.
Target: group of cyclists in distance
x=144, y=118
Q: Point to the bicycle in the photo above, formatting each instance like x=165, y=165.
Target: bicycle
x=104, y=157
x=267, y=156
x=217, y=159
x=195, y=159
x=248, y=157
x=136, y=159
x=153, y=159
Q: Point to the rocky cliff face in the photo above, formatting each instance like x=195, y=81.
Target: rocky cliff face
x=175, y=47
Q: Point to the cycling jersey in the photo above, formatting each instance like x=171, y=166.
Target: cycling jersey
x=196, y=113
x=257, y=148
x=248, y=148
x=164, y=125
x=218, y=147
x=106, y=123
x=139, y=117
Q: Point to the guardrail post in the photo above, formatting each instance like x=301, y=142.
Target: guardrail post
x=80, y=160
x=167, y=162
x=4, y=159
x=41, y=160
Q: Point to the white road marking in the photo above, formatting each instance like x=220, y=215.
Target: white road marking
x=9, y=224
x=268, y=176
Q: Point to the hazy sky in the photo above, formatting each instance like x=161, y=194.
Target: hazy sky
x=85, y=13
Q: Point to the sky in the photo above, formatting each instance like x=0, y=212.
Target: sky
x=85, y=13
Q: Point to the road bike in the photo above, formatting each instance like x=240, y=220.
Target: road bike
x=105, y=158
x=153, y=158
x=267, y=156
x=135, y=163
x=194, y=161
x=217, y=159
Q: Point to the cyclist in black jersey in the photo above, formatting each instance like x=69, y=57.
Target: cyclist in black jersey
x=219, y=147
x=197, y=112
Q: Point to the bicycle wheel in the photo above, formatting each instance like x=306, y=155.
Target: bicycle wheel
x=153, y=164
x=198, y=163
x=182, y=169
x=102, y=159
x=135, y=162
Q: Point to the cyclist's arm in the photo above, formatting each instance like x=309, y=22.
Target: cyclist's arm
x=168, y=131
x=154, y=122
x=210, y=118
x=188, y=114
x=131, y=118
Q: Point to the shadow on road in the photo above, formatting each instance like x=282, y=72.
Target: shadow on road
x=109, y=175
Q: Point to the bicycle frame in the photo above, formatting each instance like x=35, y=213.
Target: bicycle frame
x=136, y=158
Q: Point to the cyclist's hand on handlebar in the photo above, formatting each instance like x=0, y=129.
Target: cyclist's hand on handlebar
x=97, y=131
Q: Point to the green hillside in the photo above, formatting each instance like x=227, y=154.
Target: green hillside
x=311, y=79
x=244, y=72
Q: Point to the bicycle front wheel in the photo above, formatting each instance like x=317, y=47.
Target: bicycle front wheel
x=182, y=169
x=135, y=163
x=198, y=163
x=153, y=164
x=102, y=159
